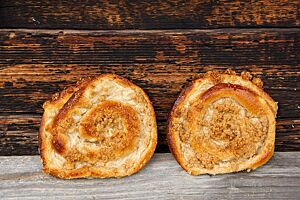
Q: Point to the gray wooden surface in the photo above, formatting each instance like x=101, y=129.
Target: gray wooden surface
x=21, y=178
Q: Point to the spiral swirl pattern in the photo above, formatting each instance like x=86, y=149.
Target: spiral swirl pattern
x=104, y=127
x=222, y=123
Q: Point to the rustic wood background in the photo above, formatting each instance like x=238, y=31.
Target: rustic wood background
x=159, y=45
x=162, y=178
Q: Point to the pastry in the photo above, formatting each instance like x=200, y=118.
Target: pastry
x=102, y=127
x=222, y=123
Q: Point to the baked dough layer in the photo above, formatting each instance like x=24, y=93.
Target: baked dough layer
x=222, y=123
x=102, y=127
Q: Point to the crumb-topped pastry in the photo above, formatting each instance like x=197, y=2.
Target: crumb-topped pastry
x=222, y=123
x=102, y=127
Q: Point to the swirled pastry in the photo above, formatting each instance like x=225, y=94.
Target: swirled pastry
x=222, y=123
x=103, y=127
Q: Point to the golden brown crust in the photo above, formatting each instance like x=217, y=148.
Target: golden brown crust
x=102, y=127
x=209, y=97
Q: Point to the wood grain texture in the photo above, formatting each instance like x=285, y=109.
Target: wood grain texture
x=35, y=64
x=21, y=178
x=105, y=14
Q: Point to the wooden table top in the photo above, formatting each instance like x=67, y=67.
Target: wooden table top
x=162, y=178
x=159, y=45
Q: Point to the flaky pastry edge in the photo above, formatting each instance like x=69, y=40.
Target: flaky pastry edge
x=253, y=84
x=60, y=99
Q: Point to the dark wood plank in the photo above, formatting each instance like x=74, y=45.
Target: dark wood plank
x=25, y=87
x=162, y=178
x=105, y=14
x=35, y=64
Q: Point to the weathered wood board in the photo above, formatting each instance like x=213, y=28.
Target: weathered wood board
x=37, y=63
x=21, y=178
x=161, y=14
